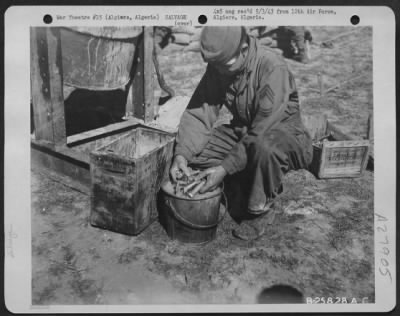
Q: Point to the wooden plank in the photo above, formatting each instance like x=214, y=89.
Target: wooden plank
x=135, y=103
x=140, y=101
x=40, y=92
x=347, y=143
x=64, y=161
x=148, y=74
x=46, y=85
x=56, y=85
x=71, y=154
x=62, y=151
x=102, y=132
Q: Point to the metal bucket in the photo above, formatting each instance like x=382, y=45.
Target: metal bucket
x=191, y=220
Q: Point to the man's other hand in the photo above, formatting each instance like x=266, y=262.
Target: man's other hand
x=214, y=176
x=179, y=164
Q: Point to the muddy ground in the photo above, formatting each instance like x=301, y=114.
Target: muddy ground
x=322, y=242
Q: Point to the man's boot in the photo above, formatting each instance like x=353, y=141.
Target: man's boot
x=254, y=225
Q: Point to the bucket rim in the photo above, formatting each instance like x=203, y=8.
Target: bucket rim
x=216, y=192
x=222, y=209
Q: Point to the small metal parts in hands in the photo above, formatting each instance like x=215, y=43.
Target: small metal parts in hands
x=188, y=186
x=178, y=187
x=196, y=189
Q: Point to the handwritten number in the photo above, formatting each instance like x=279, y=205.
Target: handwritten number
x=385, y=251
x=386, y=272
x=386, y=242
x=380, y=229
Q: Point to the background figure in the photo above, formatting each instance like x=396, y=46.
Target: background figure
x=162, y=37
x=291, y=40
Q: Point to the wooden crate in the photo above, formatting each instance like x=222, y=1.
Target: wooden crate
x=126, y=175
x=341, y=155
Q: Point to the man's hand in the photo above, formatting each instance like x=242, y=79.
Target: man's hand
x=214, y=176
x=179, y=165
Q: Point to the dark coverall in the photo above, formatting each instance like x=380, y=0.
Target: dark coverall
x=266, y=137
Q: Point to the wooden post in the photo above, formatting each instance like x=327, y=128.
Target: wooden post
x=140, y=101
x=135, y=103
x=148, y=74
x=47, y=86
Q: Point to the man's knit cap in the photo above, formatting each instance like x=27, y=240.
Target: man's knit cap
x=219, y=44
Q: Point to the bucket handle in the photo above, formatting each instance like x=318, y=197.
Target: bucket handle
x=191, y=225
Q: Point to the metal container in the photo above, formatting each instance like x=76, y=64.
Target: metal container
x=191, y=220
x=126, y=175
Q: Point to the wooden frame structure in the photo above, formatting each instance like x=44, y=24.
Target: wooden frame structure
x=50, y=146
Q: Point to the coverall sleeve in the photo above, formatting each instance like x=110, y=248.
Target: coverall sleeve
x=199, y=117
x=272, y=96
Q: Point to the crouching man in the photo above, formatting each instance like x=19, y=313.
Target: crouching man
x=266, y=137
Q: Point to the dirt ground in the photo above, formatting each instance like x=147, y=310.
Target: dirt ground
x=321, y=244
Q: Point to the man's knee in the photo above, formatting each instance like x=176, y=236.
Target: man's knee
x=266, y=149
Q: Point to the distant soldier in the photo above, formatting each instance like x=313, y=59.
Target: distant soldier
x=162, y=37
x=292, y=40
x=266, y=137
